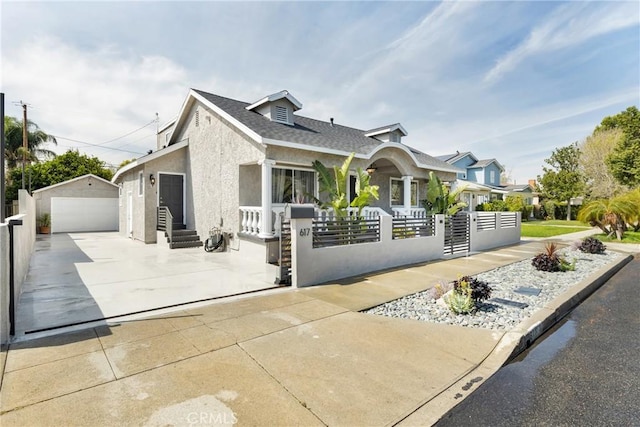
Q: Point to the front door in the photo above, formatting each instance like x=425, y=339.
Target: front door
x=171, y=195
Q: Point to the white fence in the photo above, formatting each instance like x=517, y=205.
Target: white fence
x=386, y=242
x=24, y=237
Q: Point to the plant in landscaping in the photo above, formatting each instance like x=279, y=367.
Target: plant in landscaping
x=480, y=290
x=439, y=200
x=335, y=186
x=550, y=261
x=460, y=301
x=592, y=245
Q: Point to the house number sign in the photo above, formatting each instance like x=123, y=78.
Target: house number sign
x=304, y=232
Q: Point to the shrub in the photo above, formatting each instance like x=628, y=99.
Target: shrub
x=592, y=245
x=460, y=303
x=480, y=290
x=550, y=261
x=550, y=209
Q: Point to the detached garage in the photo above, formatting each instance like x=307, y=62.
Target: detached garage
x=85, y=203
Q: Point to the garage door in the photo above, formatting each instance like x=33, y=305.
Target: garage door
x=74, y=214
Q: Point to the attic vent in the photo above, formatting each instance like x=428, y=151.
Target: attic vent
x=282, y=114
x=197, y=118
x=394, y=137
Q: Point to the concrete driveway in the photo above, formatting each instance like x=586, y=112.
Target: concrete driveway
x=82, y=277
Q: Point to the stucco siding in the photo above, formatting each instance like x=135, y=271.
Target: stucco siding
x=88, y=187
x=216, y=151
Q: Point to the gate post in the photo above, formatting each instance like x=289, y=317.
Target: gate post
x=301, y=217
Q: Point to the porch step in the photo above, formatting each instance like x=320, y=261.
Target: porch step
x=184, y=239
x=189, y=244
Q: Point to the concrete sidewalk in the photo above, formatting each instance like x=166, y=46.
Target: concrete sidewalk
x=290, y=357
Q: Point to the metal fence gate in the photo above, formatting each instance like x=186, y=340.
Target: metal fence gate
x=284, y=258
x=456, y=234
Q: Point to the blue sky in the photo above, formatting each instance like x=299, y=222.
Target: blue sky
x=510, y=80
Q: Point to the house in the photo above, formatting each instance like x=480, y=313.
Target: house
x=235, y=165
x=84, y=203
x=481, y=181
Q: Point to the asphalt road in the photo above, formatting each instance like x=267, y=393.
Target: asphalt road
x=583, y=372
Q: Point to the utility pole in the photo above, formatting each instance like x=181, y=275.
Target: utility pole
x=2, y=175
x=25, y=140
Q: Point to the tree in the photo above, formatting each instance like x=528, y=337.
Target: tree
x=563, y=180
x=624, y=160
x=62, y=168
x=610, y=215
x=36, y=138
x=601, y=184
x=439, y=200
x=335, y=186
x=125, y=162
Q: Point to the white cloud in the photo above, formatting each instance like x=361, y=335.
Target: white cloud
x=569, y=25
x=94, y=96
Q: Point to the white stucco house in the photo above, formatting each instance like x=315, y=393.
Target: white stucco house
x=224, y=161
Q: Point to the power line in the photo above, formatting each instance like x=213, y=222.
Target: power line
x=130, y=133
x=97, y=145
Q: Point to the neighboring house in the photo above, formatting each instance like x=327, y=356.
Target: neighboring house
x=481, y=181
x=480, y=178
x=85, y=203
x=223, y=162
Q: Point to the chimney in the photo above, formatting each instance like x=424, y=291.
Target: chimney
x=532, y=183
x=331, y=120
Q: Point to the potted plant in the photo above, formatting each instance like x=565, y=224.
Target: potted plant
x=44, y=223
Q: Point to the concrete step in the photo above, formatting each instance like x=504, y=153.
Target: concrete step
x=184, y=233
x=189, y=244
x=185, y=238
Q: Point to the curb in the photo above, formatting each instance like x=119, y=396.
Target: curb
x=511, y=344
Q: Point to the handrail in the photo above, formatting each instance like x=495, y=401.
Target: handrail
x=164, y=211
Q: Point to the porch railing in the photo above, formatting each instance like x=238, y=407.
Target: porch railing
x=413, y=212
x=251, y=217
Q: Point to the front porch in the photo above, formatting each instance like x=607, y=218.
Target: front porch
x=267, y=187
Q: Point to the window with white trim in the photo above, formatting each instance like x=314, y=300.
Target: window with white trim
x=140, y=183
x=396, y=193
x=492, y=177
x=292, y=185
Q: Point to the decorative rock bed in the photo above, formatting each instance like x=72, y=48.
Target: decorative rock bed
x=494, y=313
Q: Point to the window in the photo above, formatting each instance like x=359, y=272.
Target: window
x=492, y=177
x=292, y=186
x=394, y=137
x=397, y=192
x=282, y=114
x=140, y=183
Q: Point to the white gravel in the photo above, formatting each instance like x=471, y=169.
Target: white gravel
x=503, y=281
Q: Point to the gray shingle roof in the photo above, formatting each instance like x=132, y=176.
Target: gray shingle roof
x=311, y=132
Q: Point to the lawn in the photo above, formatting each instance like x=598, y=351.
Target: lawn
x=551, y=228
x=629, y=237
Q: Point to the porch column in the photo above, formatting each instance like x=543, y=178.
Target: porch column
x=407, y=193
x=265, y=218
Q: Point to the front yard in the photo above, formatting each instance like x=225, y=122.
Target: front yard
x=551, y=228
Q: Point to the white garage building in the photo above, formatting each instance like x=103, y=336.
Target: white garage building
x=85, y=203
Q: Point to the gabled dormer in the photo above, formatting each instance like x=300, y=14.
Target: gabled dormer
x=278, y=107
x=391, y=133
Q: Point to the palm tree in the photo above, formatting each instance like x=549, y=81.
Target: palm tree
x=610, y=215
x=36, y=138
